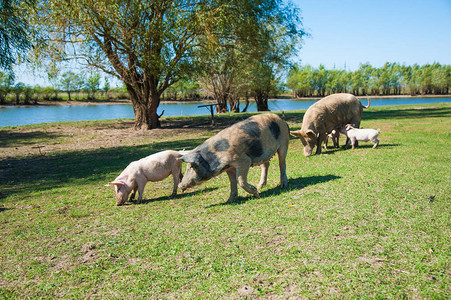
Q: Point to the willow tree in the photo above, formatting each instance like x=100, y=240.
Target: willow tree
x=149, y=45
x=14, y=31
x=247, y=60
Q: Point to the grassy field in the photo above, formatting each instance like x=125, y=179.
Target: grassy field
x=352, y=224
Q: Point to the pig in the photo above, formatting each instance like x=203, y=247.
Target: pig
x=334, y=136
x=327, y=114
x=154, y=167
x=245, y=144
x=363, y=135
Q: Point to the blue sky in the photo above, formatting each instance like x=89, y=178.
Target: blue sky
x=351, y=32
x=375, y=31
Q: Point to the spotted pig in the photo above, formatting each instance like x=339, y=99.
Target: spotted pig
x=245, y=144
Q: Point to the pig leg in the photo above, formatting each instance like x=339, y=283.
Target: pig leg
x=141, y=185
x=132, y=196
x=282, y=154
x=177, y=176
x=233, y=184
x=241, y=173
x=264, y=175
x=319, y=141
x=325, y=141
x=356, y=124
x=376, y=142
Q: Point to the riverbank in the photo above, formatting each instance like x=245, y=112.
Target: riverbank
x=127, y=101
x=38, y=114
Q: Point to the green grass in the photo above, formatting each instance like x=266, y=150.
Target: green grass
x=352, y=224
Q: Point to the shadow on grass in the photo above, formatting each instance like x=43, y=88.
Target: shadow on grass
x=410, y=111
x=293, y=184
x=9, y=138
x=407, y=113
x=41, y=173
x=361, y=146
x=179, y=195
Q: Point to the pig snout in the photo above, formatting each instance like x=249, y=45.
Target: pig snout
x=121, y=198
x=307, y=151
x=189, y=179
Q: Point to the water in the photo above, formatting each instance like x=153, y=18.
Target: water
x=24, y=115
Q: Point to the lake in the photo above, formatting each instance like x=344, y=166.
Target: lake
x=24, y=115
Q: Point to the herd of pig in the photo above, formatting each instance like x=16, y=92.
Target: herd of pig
x=245, y=144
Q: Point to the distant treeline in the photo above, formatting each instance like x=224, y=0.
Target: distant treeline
x=391, y=79
x=303, y=81
x=69, y=86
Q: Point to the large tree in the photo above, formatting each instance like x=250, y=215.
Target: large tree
x=149, y=45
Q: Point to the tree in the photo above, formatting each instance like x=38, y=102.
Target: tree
x=18, y=89
x=439, y=79
x=219, y=76
x=106, y=88
x=250, y=66
x=14, y=32
x=262, y=83
x=6, y=82
x=93, y=85
x=69, y=82
x=149, y=45
x=320, y=80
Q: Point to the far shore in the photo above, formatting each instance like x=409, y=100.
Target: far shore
x=127, y=101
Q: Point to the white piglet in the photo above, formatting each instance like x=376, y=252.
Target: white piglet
x=154, y=167
x=363, y=135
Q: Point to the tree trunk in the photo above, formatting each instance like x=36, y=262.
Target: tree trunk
x=145, y=109
x=246, y=99
x=261, y=98
x=221, y=99
x=145, y=117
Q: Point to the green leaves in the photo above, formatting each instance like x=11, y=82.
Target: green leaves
x=391, y=79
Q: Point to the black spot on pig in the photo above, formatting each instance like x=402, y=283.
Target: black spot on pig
x=222, y=145
x=208, y=163
x=251, y=128
x=254, y=148
x=275, y=129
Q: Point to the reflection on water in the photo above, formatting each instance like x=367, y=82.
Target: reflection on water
x=23, y=115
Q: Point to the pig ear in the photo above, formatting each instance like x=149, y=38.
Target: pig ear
x=296, y=133
x=192, y=158
x=116, y=182
x=312, y=134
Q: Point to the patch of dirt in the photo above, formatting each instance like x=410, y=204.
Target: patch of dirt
x=24, y=141
x=89, y=252
x=245, y=290
x=373, y=261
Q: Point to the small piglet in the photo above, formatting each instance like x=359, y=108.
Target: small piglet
x=154, y=167
x=364, y=135
x=334, y=136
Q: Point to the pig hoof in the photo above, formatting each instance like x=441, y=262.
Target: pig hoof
x=232, y=198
